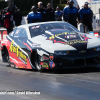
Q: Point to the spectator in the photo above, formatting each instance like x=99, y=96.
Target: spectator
x=9, y=7
x=34, y=16
x=43, y=11
x=58, y=14
x=78, y=8
x=70, y=14
x=50, y=13
x=86, y=16
x=8, y=21
x=3, y=13
x=0, y=18
x=17, y=17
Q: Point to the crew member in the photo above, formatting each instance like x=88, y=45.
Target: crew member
x=34, y=16
x=17, y=17
x=86, y=16
x=8, y=21
x=78, y=8
x=70, y=14
x=50, y=13
x=43, y=11
x=58, y=14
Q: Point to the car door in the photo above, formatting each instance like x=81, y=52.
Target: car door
x=17, y=47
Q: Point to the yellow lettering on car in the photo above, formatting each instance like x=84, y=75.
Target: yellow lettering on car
x=75, y=41
x=15, y=49
x=64, y=33
x=45, y=65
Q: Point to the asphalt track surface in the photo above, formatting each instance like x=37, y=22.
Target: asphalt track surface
x=69, y=84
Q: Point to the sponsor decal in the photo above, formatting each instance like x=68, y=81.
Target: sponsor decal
x=35, y=27
x=15, y=49
x=20, y=67
x=36, y=45
x=51, y=57
x=56, y=35
x=44, y=58
x=45, y=65
x=70, y=36
x=85, y=37
x=75, y=42
x=52, y=64
x=57, y=29
x=82, y=51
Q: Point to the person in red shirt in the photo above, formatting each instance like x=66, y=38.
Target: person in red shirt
x=8, y=21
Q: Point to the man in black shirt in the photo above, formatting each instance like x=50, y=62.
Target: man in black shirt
x=17, y=17
x=50, y=13
x=43, y=11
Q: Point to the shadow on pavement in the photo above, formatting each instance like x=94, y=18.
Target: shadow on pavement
x=62, y=71
x=73, y=70
x=65, y=71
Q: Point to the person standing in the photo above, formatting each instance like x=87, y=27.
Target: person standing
x=70, y=14
x=34, y=16
x=50, y=13
x=43, y=12
x=17, y=17
x=86, y=16
x=8, y=21
x=58, y=14
x=78, y=8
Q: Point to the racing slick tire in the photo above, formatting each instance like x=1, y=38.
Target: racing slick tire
x=5, y=56
x=37, y=63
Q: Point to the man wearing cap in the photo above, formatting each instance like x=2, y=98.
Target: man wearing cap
x=70, y=14
x=58, y=14
x=86, y=16
x=34, y=16
x=43, y=12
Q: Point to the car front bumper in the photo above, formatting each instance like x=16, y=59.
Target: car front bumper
x=77, y=60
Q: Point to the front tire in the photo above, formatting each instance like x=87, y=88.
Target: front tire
x=37, y=62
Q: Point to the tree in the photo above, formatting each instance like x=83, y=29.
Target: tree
x=60, y=1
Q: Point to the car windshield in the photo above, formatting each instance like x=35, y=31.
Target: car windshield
x=36, y=30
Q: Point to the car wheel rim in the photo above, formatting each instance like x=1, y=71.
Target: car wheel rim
x=38, y=64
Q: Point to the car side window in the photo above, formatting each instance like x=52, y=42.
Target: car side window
x=20, y=33
x=12, y=33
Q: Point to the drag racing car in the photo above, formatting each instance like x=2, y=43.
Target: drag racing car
x=50, y=45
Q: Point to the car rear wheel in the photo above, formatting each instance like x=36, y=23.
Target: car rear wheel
x=5, y=56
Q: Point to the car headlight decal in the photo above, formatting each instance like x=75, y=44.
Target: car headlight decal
x=97, y=48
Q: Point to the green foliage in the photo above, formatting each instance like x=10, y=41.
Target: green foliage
x=24, y=13
x=61, y=6
x=25, y=5
x=3, y=4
